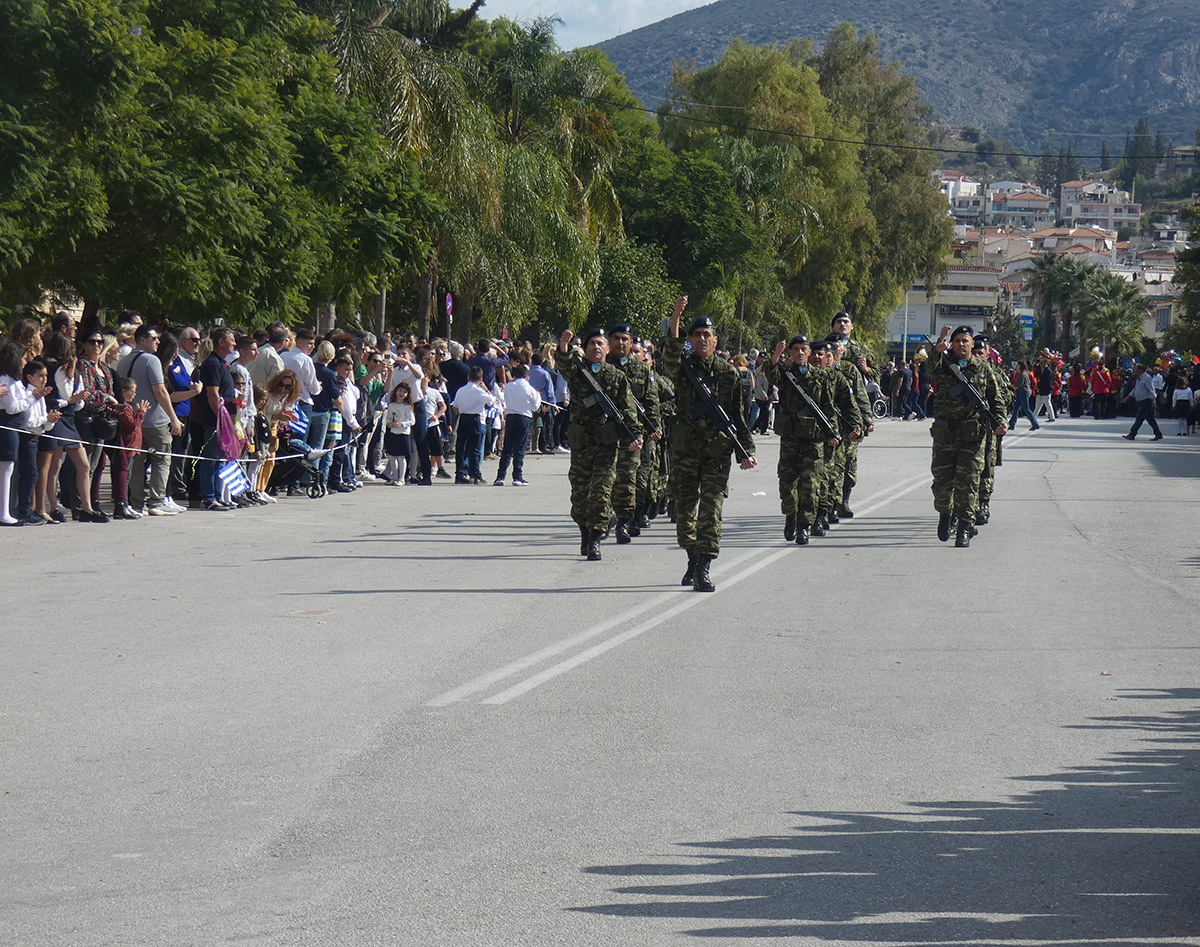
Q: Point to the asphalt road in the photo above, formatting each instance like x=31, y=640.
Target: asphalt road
x=417, y=717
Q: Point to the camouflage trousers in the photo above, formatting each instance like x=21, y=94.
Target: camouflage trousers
x=851, y=476
x=699, y=485
x=835, y=475
x=801, y=472
x=647, y=474
x=987, y=479
x=624, y=491
x=958, y=455
x=593, y=469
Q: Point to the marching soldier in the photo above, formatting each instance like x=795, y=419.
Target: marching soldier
x=709, y=424
x=959, y=430
x=603, y=423
x=859, y=356
x=847, y=474
x=850, y=427
x=629, y=463
x=806, y=426
x=661, y=481
x=991, y=457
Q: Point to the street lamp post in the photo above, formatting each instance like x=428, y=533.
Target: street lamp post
x=904, y=341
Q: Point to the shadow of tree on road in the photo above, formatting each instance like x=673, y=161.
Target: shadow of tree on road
x=1104, y=855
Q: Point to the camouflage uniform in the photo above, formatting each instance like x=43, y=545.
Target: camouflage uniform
x=699, y=456
x=594, y=440
x=660, y=477
x=987, y=480
x=858, y=387
x=960, y=436
x=629, y=478
x=835, y=458
x=801, y=439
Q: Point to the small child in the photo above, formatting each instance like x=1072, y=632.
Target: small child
x=264, y=442
x=398, y=420
x=1183, y=399
x=129, y=436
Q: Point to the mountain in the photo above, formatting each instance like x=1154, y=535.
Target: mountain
x=1032, y=72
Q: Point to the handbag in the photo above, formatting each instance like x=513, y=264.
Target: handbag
x=229, y=441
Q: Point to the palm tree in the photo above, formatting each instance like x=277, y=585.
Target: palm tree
x=1112, y=312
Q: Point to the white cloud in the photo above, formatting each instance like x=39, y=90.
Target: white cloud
x=590, y=21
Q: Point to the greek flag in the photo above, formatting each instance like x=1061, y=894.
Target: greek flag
x=299, y=427
x=230, y=474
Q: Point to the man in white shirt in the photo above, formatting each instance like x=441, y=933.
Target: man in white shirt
x=470, y=404
x=268, y=362
x=521, y=403
x=299, y=359
x=1143, y=394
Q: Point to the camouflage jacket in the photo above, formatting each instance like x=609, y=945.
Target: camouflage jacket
x=858, y=391
x=1007, y=394
x=722, y=378
x=794, y=417
x=642, y=386
x=853, y=351
x=585, y=412
x=950, y=404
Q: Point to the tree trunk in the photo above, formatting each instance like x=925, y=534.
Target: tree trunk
x=91, y=307
x=327, y=318
x=464, y=314
x=425, y=287
x=381, y=313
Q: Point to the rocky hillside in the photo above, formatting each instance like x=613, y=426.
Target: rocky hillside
x=1070, y=71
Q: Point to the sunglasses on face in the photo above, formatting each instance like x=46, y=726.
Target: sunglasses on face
x=95, y=341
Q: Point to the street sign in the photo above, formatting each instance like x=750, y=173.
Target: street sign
x=914, y=337
x=1027, y=335
x=1027, y=322
x=449, y=305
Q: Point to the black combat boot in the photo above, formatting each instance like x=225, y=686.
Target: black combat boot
x=622, y=531
x=944, y=526
x=643, y=517
x=663, y=502
x=690, y=576
x=802, y=536
x=593, y=546
x=584, y=535
x=965, y=532
x=701, y=582
x=983, y=514
x=831, y=517
x=632, y=524
x=819, y=527
x=651, y=510
x=789, y=526
x=843, y=511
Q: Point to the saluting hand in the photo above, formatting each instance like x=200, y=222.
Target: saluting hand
x=564, y=344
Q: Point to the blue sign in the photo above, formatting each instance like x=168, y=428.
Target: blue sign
x=914, y=338
x=1027, y=322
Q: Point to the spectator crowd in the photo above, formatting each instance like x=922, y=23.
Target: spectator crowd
x=217, y=420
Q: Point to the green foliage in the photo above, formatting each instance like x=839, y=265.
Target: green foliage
x=216, y=169
x=634, y=287
x=1184, y=333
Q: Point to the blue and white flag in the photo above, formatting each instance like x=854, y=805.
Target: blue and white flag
x=298, y=427
x=231, y=475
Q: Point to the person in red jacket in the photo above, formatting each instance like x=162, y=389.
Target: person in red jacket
x=1076, y=389
x=1101, y=381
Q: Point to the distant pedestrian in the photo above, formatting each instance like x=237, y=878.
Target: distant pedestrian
x=1143, y=395
x=1183, y=399
x=1022, y=385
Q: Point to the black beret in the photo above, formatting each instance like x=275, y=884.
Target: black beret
x=798, y=340
x=967, y=329
x=840, y=315
x=620, y=327
x=701, y=322
x=835, y=337
x=983, y=338
x=821, y=345
x=594, y=332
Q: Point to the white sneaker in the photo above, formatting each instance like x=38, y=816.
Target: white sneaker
x=562, y=450
x=161, y=509
x=366, y=475
x=171, y=504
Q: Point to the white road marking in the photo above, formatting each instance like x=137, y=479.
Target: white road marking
x=484, y=681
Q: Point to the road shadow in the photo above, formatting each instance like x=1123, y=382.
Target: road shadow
x=1105, y=855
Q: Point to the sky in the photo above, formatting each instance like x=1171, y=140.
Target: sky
x=589, y=21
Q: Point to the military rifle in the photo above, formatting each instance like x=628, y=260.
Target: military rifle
x=711, y=408
x=599, y=399
x=822, y=417
x=964, y=389
x=643, y=415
